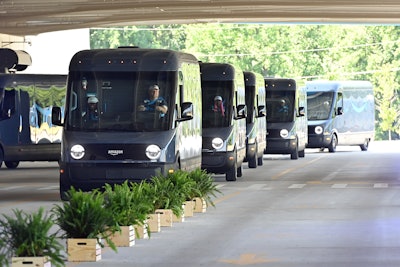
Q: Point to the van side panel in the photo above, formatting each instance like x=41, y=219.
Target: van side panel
x=255, y=121
x=190, y=131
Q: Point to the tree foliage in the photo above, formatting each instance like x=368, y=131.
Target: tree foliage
x=302, y=52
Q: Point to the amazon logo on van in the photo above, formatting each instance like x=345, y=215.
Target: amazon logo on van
x=115, y=152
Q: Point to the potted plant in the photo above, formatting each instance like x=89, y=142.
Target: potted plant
x=143, y=205
x=167, y=198
x=128, y=207
x=26, y=238
x=85, y=223
x=186, y=190
x=205, y=191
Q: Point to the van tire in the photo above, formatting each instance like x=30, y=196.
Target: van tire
x=1, y=157
x=230, y=175
x=239, y=171
x=333, y=144
x=252, y=162
x=302, y=153
x=260, y=161
x=295, y=152
x=364, y=147
x=11, y=164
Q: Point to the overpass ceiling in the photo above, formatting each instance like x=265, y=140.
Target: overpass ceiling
x=31, y=17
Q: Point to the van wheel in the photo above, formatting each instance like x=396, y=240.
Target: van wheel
x=295, y=153
x=364, y=147
x=333, y=144
x=253, y=162
x=11, y=164
x=302, y=153
x=1, y=157
x=64, y=187
x=239, y=171
x=260, y=161
x=230, y=175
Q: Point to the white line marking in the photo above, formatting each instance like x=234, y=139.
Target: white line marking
x=256, y=186
x=339, y=186
x=295, y=186
x=11, y=187
x=381, y=185
x=52, y=187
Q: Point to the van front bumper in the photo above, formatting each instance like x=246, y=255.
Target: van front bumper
x=280, y=146
x=319, y=140
x=217, y=162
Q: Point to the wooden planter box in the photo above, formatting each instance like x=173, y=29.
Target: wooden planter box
x=189, y=208
x=125, y=238
x=200, y=205
x=83, y=249
x=165, y=217
x=141, y=231
x=153, y=220
x=30, y=262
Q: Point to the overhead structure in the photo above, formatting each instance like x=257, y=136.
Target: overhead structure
x=31, y=17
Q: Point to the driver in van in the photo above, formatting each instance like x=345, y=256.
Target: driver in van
x=218, y=106
x=92, y=113
x=283, y=108
x=155, y=102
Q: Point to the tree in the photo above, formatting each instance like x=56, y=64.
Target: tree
x=302, y=52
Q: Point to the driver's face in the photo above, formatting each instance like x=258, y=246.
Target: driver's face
x=154, y=93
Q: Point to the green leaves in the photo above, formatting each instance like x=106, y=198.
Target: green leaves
x=127, y=203
x=84, y=216
x=28, y=235
x=205, y=186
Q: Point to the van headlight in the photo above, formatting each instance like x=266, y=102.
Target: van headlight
x=284, y=133
x=318, y=130
x=217, y=143
x=153, y=152
x=77, y=152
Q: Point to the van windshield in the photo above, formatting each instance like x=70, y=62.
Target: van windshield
x=319, y=105
x=280, y=106
x=217, y=99
x=120, y=101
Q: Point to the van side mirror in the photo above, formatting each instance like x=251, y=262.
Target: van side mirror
x=241, y=112
x=262, y=112
x=339, y=111
x=186, y=111
x=56, y=116
x=302, y=112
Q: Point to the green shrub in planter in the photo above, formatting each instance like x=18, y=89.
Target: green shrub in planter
x=184, y=185
x=3, y=256
x=84, y=216
x=143, y=202
x=128, y=203
x=165, y=195
x=28, y=235
x=205, y=186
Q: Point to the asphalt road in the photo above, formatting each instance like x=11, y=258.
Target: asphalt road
x=324, y=210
